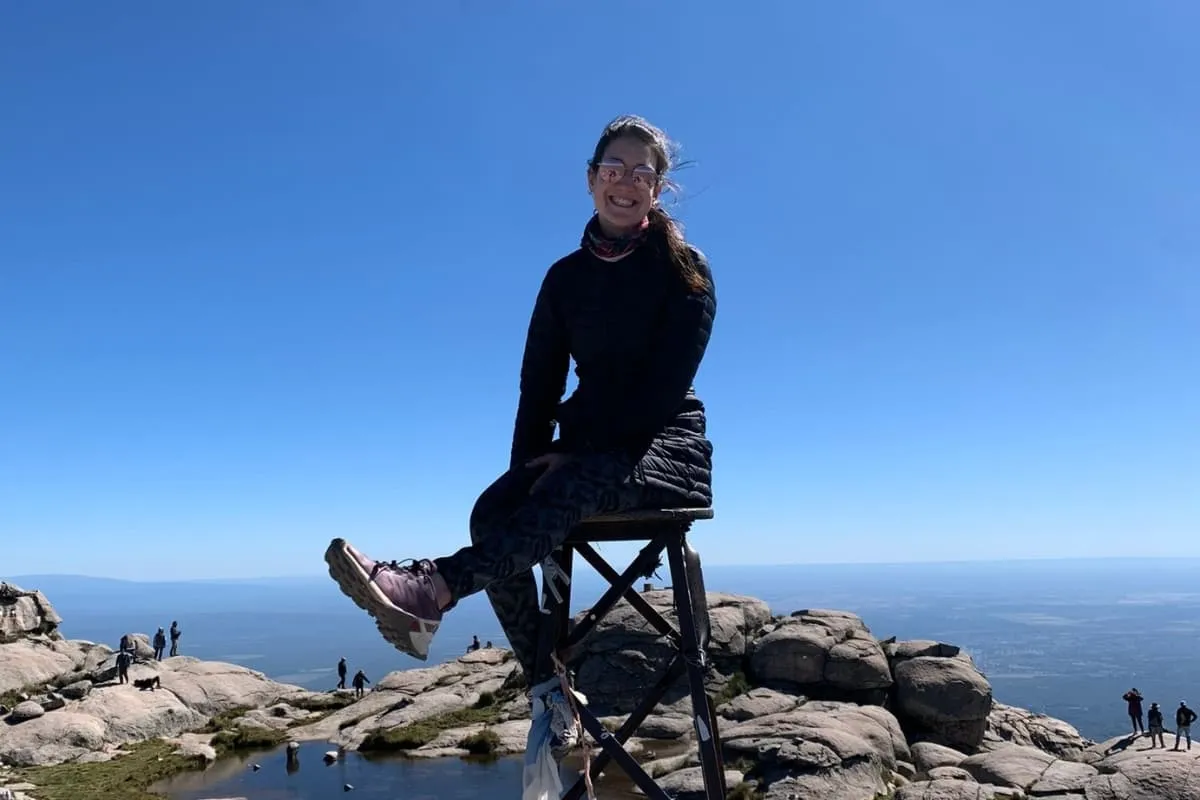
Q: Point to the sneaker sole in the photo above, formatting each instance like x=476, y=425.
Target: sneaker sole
x=397, y=626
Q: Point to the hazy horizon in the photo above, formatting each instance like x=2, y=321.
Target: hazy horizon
x=321, y=574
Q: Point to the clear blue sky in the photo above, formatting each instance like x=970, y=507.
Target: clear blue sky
x=266, y=269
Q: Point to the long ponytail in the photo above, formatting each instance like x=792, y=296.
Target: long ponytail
x=669, y=232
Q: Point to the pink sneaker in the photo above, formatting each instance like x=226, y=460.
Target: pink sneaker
x=402, y=599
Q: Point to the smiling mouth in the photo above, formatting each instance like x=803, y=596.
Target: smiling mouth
x=622, y=202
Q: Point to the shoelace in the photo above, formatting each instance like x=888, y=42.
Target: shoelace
x=404, y=565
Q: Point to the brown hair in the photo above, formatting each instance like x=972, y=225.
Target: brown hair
x=663, y=226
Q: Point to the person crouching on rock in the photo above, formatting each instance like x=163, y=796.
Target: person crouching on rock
x=1154, y=719
x=360, y=680
x=634, y=306
x=1134, y=700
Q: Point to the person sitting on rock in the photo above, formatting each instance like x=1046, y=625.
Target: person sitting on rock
x=175, y=634
x=488, y=646
x=360, y=680
x=1184, y=717
x=160, y=644
x=1134, y=700
x=124, y=659
x=474, y=645
x=342, y=673
x=1154, y=719
x=634, y=306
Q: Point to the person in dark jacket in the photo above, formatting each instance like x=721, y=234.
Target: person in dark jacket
x=634, y=306
x=1154, y=719
x=175, y=634
x=160, y=644
x=1133, y=699
x=341, y=673
x=1184, y=717
x=359, y=681
x=124, y=659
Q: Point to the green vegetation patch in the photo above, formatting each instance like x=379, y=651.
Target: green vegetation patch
x=126, y=777
x=230, y=737
x=736, y=686
x=248, y=738
x=481, y=743
x=225, y=720
x=746, y=790
x=11, y=698
x=419, y=734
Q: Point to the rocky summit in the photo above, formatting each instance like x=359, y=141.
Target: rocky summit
x=812, y=706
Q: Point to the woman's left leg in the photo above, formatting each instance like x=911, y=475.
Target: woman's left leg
x=404, y=598
x=514, y=599
x=584, y=486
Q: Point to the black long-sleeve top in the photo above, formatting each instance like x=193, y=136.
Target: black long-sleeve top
x=637, y=333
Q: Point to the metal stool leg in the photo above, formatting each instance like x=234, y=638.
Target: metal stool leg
x=704, y=718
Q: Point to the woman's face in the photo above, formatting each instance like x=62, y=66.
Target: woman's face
x=625, y=184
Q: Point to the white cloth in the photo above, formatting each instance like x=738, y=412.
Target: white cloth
x=541, y=780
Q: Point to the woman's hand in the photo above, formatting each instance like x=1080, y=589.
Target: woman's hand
x=549, y=462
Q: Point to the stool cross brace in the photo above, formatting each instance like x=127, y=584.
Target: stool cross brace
x=662, y=530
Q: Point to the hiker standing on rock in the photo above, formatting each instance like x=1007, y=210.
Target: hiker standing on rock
x=634, y=307
x=342, y=673
x=175, y=634
x=160, y=644
x=1184, y=717
x=124, y=659
x=1154, y=719
x=1134, y=700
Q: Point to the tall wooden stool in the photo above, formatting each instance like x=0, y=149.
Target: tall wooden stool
x=664, y=529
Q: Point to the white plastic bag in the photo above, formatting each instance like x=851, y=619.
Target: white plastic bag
x=541, y=780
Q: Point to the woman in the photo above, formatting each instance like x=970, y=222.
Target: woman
x=634, y=306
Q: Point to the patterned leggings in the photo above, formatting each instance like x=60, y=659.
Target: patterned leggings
x=512, y=530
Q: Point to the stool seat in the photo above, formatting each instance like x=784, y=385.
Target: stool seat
x=633, y=526
x=664, y=530
x=651, y=515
